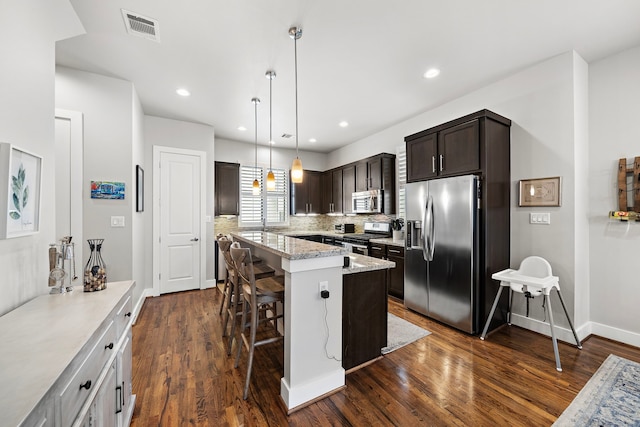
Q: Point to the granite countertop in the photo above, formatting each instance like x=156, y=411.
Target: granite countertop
x=389, y=242
x=361, y=263
x=288, y=247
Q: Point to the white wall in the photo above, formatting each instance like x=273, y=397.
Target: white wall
x=107, y=107
x=615, y=246
x=140, y=233
x=541, y=102
x=27, y=120
x=243, y=153
x=174, y=133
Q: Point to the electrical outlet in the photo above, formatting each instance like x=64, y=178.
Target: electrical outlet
x=323, y=287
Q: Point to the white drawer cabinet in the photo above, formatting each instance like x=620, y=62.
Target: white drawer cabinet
x=66, y=360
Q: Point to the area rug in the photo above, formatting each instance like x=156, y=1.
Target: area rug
x=400, y=333
x=610, y=398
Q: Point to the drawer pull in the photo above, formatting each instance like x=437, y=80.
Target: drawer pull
x=86, y=385
x=109, y=346
x=127, y=314
x=376, y=248
x=394, y=251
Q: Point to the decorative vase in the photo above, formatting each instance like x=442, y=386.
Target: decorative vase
x=95, y=272
x=397, y=234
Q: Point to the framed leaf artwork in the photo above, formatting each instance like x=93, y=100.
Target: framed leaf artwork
x=19, y=191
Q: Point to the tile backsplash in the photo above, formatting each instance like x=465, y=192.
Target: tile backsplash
x=226, y=225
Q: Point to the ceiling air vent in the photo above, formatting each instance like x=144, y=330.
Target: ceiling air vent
x=141, y=26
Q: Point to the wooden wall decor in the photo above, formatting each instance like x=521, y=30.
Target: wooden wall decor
x=623, y=173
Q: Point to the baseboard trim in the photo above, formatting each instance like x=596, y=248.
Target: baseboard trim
x=589, y=328
x=147, y=292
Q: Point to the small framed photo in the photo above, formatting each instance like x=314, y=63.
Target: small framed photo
x=111, y=190
x=139, y=189
x=19, y=191
x=540, y=192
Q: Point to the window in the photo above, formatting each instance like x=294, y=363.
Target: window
x=271, y=205
x=401, y=157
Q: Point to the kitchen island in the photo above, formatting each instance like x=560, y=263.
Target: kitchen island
x=312, y=325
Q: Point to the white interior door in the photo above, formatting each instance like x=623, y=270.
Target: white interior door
x=180, y=220
x=68, y=184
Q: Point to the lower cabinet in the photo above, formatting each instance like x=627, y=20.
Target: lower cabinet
x=396, y=274
x=364, y=317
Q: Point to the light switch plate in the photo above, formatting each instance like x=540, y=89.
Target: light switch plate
x=117, y=221
x=540, y=218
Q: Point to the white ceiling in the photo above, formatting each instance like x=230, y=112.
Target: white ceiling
x=358, y=60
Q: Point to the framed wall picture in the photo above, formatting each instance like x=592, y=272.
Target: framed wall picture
x=139, y=189
x=540, y=192
x=111, y=190
x=20, y=184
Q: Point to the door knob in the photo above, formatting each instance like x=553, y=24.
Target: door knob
x=195, y=239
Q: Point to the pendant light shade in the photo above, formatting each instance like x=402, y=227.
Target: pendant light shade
x=256, y=183
x=296, y=167
x=271, y=179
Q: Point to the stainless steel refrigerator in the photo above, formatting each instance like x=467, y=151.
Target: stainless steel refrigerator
x=441, y=252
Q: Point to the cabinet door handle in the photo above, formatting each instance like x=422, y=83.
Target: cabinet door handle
x=441, y=162
x=119, y=397
x=86, y=385
x=433, y=164
x=109, y=346
x=127, y=314
x=376, y=247
x=393, y=251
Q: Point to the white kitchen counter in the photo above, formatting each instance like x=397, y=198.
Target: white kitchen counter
x=389, y=242
x=361, y=263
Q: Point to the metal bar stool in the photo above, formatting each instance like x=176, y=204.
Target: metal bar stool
x=533, y=278
x=260, y=297
x=233, y=302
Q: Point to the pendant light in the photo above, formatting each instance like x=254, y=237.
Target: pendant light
x=256, y=183
x=296, y=167
x=271, y=179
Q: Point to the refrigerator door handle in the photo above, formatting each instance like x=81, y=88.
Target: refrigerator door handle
x=427, y=230
x=432, y=230
x=423, y=239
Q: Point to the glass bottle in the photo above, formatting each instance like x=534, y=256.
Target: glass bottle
x=95, y=272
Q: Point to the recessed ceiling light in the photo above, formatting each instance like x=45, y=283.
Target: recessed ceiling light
x=183, y=92
x=241, y=128
x=312, y=140
x=343, y=124
x=431, y=73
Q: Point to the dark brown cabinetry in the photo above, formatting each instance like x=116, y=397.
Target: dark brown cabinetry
x=227, y=188
x=348, y=187
x=478, y=144
x=395, y=276
x=451, y=151
x=378, y=173
x=332, y=201
x=306, y=197
x=364, y=317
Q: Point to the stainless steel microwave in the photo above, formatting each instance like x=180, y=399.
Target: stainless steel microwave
x=367, y=201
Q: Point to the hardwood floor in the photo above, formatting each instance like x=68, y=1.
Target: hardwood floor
x=182, y=375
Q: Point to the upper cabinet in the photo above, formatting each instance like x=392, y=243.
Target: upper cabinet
x=348, y=187
x=227, y=188
x=332, y=191
x=306, y=197
x=378, y=173
x=453, y=148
